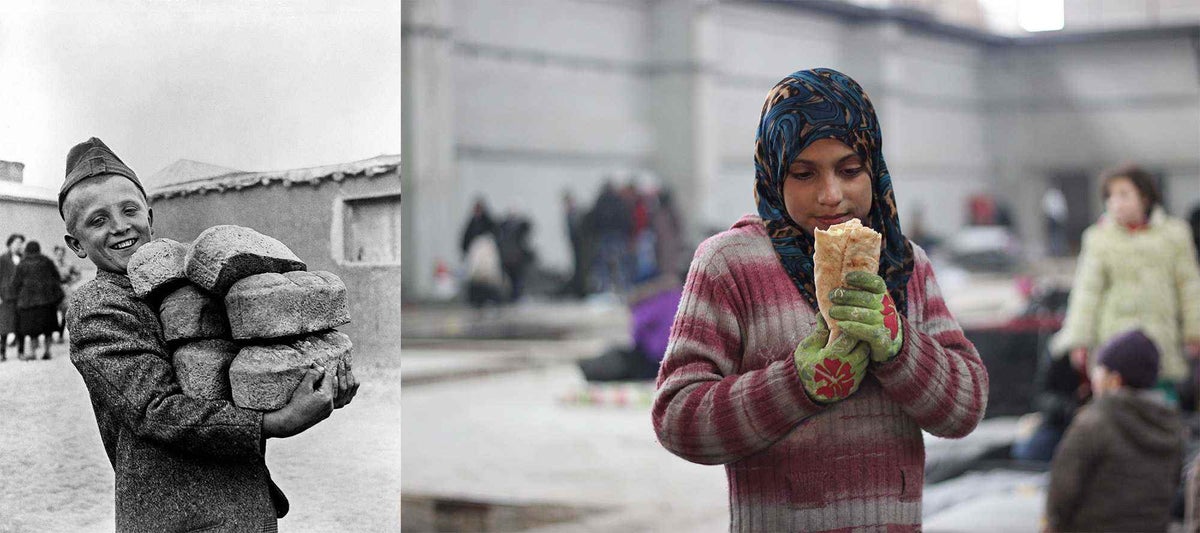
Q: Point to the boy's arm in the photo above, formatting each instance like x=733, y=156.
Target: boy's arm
x=1071, y=469
x=937, y=376
x=128, y=375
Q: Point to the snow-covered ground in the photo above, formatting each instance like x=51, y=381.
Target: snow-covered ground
x=341, y=475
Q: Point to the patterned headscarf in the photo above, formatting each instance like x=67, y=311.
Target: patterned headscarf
x=802, y=108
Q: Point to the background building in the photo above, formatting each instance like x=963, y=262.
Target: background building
x=518, y=101
x=33, y=212
x=341, y=218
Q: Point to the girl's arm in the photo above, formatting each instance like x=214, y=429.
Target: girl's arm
x=1187, y=283
x=706, y=410
x=1079, y=326
x=937, y=376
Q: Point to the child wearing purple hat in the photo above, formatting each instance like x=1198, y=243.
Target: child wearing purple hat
x=1118, y=464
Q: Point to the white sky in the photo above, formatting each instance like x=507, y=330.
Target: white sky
x=251, y=85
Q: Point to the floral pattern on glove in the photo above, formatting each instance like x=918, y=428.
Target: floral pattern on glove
x=890, y=319
x=830, y=373
x=835, y=379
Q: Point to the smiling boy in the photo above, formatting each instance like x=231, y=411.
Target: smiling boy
x=180, y=463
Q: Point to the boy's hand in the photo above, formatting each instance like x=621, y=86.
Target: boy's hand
x=864, y=310
x=834, y=373
x=347, y=385
x=311, y=402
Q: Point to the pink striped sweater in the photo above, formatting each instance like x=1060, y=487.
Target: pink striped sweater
x=729, y=393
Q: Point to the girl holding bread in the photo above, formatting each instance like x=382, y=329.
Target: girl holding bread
x=817, y=431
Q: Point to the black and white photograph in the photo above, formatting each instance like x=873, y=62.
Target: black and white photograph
x=801, y=265
x=200, y=286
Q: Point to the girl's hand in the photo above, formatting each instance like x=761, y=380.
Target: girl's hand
x=834, y=373
x=865, y=311
x=1192, y=348
x=1079, y=359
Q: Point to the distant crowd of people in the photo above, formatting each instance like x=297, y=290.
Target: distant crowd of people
x=628, y=243
x=497, y=256
x=628, y=237
x=33, y=297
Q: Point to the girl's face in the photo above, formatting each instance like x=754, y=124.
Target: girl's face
x=1125, y=202
x=827, y=184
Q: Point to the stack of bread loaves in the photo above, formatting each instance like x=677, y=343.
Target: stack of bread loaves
x=242, y=316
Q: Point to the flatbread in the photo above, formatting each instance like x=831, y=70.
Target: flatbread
x=843, y=248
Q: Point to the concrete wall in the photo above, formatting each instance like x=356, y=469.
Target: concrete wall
x=935, y=128
x=550, y=95
x=758, y=47
x=12, y=171
x=1075, y=109
x=304, y=218
x=517, y=102
x=38, y=220
x=1106, y=14
x=35, y=219
x=928, y=93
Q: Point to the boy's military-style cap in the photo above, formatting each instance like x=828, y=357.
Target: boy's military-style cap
x=89, y=159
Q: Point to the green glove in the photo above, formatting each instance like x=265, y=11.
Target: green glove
x=865, y=311
x=834, y=373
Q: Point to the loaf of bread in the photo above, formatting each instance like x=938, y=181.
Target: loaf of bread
x=202, y=368
x=157, y=268
x=271, y=305
x=263, y=377
x=190, y=313
x=222, y=255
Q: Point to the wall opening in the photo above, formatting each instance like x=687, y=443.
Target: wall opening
x=371, y=230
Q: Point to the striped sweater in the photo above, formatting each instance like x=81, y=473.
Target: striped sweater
x=728, y=393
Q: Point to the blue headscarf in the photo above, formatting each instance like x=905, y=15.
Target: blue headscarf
x=802, y=108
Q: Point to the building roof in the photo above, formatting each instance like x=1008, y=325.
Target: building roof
x=23, y=192
x=205, y=182
x=185, y=170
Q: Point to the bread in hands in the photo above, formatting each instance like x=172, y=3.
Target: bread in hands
x=843, y=248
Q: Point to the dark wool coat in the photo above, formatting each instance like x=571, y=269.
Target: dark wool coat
x=8, y=269
x=36, y=282
x=180, y=463
x=8, y=299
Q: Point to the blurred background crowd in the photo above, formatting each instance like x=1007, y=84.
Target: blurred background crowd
x=33, y=297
